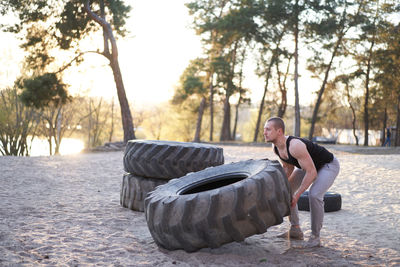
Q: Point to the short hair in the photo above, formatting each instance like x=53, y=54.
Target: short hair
x=278, y=123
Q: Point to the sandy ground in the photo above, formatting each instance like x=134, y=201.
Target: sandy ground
x=64, y=210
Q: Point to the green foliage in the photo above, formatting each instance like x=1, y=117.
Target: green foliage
x=50, y=25
x=39, y=46
x=119, y=12
x=44, y=90
x=223, y=68
x=73, y=19
x=73, y=24
x=192, y=81
x=17, y=124
x=62, y=25
x=388, y=60
x=239, y=22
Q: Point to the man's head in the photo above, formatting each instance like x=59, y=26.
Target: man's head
x=273, y=129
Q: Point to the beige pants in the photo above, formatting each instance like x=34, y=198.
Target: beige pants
x=325, y=178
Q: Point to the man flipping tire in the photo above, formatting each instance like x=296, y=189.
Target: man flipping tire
x=305, y=164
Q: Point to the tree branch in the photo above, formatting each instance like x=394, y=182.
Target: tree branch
x=105, y=35
x=76, y=58
x=106, y=26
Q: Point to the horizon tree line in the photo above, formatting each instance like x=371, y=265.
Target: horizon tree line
x=352, y=49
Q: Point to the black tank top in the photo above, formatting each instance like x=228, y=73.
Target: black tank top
x=319, y=154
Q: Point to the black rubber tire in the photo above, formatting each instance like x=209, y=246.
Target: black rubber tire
x=167, y=160
x=332, y=202
x=218, y=205
x=134, y=190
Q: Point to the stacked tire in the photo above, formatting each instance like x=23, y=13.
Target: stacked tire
x=150, y=163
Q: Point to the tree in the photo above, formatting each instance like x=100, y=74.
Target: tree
x=330, y=31
x=96, y=122
x=275, y=22
x=297, y=116
x=205, y=13
x=289, y=18
x=226, y=26
x=364, y=46
x=388, y=77
x=48, y=94
x=110, y=138
x=237, y=28
x=353, y=103
x=282, y=86
x=242, y=98
x=47, y=26
x=17, y=124
x=193, y=84
x=370, y=35
x=225, y=72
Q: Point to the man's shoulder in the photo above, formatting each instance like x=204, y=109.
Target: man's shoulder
x=293, y=140
x=296, y=145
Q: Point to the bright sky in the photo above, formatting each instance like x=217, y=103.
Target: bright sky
x=152, y=57
x=163, y=44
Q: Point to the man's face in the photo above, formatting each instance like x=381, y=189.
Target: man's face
x=270, y=133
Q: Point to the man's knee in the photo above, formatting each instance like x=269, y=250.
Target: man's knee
x=314, y=195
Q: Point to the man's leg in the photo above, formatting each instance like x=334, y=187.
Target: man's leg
x=325, y=178
x=298, y=175
x=295, y=231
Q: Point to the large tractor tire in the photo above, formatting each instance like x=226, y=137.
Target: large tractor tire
x=167, y=160
x=134, y=190
x=218, y=205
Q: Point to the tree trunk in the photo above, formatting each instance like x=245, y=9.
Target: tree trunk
x=353, y=112
x=283, y=89
x=366, y=116
x=90, y=124
x=323, y=86
x=49, y=140
x=236, y=120
x=268, y=76
x=397, y=140
x=354, y=124
x=384, y=126
x=199, y=120
x=50, y=136
x=127, y=123
x=226, y=122
x=58, y=134
x=367, y=78
x=211, y=107
x=126, y=115
x=112, y=121
x=261, y=109
x=283, y=105
x=296, y=73
x=241, y=91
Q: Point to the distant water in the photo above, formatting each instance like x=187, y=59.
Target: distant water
x=40, y=147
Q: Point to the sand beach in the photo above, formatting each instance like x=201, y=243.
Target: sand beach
x=65, y=211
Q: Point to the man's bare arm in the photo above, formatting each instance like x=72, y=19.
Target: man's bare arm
x=299, y=150
x=288, y=168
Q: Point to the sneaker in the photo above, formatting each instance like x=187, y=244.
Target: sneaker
x=293, y=233
x=313, y=242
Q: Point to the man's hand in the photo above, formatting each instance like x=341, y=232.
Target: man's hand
x=295, y=198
